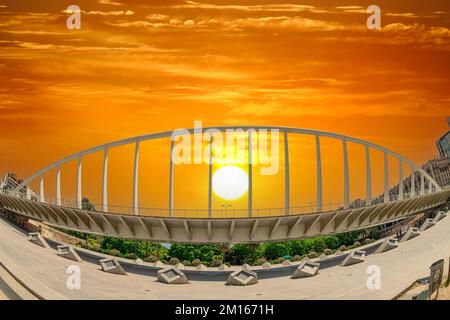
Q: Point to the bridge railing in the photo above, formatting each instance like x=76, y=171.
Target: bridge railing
x=310, y=208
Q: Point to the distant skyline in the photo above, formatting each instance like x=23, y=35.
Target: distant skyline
x=138, y=67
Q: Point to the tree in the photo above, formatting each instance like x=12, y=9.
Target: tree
x=319, y=245
x=86, y=205
x=276, y=250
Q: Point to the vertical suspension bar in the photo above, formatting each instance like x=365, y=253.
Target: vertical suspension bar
x=413, y=183
x=171, y=179
x=105, y=182
x=287, y=188
x=386, y=178
x=319, y=174
x=250, y=174
x=79, y=172
x=422, y=184
x=136, y=180
x=41, y=190
x=346, y=176
x=58, y=186
x=400, y=182
x=210, y=169
x=368, y=178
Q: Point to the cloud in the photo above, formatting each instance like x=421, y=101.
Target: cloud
x=275, y=23
x=110, y=2
x=111, y=13
x=251, y=8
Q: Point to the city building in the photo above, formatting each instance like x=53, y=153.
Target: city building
x=11, y=181
x=443, y=145
x=439, y=169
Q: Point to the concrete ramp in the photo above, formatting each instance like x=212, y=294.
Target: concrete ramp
x=37, y=238
x=68, y=252
x=172, y=275
x=306, y=269
x=410, y=234
x=427, y=224
x=388, y=244
x=242, y=277
x=356, y=256
x=112, y=266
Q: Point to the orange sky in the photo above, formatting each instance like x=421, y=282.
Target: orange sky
x=138, y=67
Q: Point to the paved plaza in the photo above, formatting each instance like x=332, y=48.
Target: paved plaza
x=45, y=273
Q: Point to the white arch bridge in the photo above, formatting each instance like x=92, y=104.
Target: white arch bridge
x=251, y=225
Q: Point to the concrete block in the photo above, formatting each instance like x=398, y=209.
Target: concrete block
x=159, y=264
x=411, y=233
x=245, y=266
x=388, y=244
x=68, y=252
x=171, y=275
x=286, y=263
x=200, y=267
x=306, y=269
x=224, y=267
x=38, y=239
x=111, y=265
x=427, y=224
x=242, y=277
x=441, y=215
x=356, y=256
x=266, y=265
x=180, y=266
x=323, y=256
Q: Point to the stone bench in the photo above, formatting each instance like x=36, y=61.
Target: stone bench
x=356, y=256
x=427, y=224
x=388, y=244
x=410, y=234
x=242, y=277
x=306, y=269
x=37, y=238
x=112, y=266
x=68, y=252
x=172, y=275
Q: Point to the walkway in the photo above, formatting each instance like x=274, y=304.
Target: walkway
x=45, y=272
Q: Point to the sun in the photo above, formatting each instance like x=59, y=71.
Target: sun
x=230, y=182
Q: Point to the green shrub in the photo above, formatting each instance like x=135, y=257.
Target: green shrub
x=216, y=263
x=261, y=261
x=319, y=245
x=281, y=260
x=131, y=256
x=296, y=258
x=151, y=259
x=196, y=262
x=276, y=249
x=186, y=263
x=114, y=252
